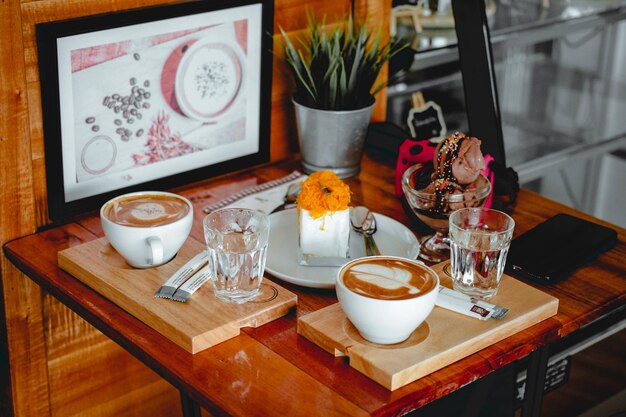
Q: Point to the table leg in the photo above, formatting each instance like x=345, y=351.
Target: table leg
x=190, y=407
x=535, y=381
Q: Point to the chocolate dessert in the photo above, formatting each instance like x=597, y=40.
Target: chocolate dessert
x=457, y=164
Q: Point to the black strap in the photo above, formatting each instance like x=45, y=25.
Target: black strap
x=479, y=79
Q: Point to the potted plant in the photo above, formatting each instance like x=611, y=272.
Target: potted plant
x=335, y=72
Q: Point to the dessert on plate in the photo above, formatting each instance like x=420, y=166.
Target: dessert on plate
x=323, y=220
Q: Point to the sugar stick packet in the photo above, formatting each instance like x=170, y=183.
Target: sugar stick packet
x=464, y=304
x=186, y=290
x=192, y=266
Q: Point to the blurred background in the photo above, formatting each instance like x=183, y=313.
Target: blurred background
x=561, y=77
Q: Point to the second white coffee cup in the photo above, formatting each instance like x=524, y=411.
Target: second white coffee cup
x=148, y=227
x=385, y=297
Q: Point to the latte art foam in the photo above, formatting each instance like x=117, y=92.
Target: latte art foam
x=388, y=279
x=146, y=210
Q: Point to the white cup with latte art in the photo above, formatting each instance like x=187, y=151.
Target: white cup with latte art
x=386, y=297
x=147, y=228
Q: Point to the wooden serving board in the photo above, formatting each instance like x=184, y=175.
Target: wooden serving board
x=198, y=324
x=444, y=337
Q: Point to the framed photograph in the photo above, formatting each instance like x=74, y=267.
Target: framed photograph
x=153, y=98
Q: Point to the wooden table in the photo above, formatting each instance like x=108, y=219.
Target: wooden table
x=271, y=370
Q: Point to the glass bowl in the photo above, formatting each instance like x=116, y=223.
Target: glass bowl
x=434, y=213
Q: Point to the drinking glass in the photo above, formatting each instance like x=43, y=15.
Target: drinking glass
x=236, y=241
x=479, y=242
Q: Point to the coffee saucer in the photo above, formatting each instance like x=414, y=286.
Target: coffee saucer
x=392, y=238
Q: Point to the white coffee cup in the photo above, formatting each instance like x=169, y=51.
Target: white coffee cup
x=148, y=227
x=385, y=304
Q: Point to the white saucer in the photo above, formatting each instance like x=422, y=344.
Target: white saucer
x=392, y=238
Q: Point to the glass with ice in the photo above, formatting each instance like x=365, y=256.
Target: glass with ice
x=236, y=241
x=479, y=242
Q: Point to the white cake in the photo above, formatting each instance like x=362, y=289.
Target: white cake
x=323, y=220
x=327, y=236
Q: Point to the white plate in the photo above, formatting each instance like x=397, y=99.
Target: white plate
x=392, y=238
x=209, y=79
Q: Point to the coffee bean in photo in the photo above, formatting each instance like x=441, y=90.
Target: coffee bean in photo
x=117, y=122
x=125, y=138
x=90, y=120
x=146, y=105
x=139, y=132
x=105, y=100
x=136, y=56
x=95, y=128
x=133, y=81
x=146, y=83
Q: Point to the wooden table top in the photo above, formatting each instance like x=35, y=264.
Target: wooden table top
x=271, y=370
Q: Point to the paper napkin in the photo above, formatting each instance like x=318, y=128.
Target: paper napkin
x=263, y=197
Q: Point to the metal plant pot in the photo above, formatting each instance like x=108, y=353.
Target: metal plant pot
x=332, y=140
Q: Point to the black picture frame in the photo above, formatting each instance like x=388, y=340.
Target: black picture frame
x=153, y=98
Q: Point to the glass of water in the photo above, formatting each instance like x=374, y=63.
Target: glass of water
x=236, y=241
x=479, y=242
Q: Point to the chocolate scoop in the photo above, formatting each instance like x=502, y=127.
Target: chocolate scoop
x=468, y=164
x=458, y=158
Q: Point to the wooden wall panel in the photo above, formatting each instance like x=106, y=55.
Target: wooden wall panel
x=379, y=12
x=23, y=342
x=59, y=364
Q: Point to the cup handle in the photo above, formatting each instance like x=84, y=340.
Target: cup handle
x=156, y=249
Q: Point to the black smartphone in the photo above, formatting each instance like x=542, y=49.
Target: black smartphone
x=552, y=250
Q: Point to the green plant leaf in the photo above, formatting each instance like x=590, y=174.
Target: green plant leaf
x=336, y=68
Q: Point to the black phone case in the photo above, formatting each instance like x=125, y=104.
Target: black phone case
x=552, y=250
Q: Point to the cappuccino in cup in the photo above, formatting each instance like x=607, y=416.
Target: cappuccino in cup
x=387, y=279
x=385, y=297
x=146, y=210
x=147, y=228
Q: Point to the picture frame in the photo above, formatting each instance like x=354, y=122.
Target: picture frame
x=153, y=98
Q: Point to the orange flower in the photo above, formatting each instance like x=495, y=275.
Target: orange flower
x=322, y=193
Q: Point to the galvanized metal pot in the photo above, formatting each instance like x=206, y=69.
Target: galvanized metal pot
x=332, y=140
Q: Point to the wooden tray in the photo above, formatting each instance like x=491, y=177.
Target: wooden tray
x=198, y=324
x=444, y=338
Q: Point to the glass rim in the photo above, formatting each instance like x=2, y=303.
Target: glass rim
x=482, y=191
x=232, y=209
x=510, y=220
x=262, y=220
